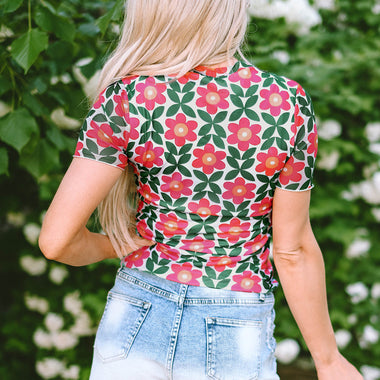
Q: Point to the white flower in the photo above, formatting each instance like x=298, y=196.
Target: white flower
x=82, y=325
x=324, y=4
x=54, y=80
x=4, y=109
x=374, y=148
x=370, y=336
x=71, y=372
x=42, y=339
x=5, y=32
x=329, y=129
x=62, y=121
x=375, y=291
x=53, y=322
x=328, y=161
x=32, y=232
x=72, y=303
x=357, y=291
x=64, y=340
x=32, y=265
x=352, y=319
x=89, y=86
x=370, y=373
x=287, y=350
x=49, y=368
x=370, y=189
x=36, y=304
x=342, y=337
x=358, y=248
x=372, y=131
x=281, y=56
x=66, y=78
x=57, y=274
x=376, y=11
x=16, y=219
x=376, y=213
x=297, y=12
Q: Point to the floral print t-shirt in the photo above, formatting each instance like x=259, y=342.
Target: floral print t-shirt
x=208, y=151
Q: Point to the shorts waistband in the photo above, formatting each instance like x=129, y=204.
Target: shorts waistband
x=190, y=294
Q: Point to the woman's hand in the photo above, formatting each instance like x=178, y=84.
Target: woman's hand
x=338, y=369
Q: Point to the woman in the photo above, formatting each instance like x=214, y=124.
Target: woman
x=222, y=154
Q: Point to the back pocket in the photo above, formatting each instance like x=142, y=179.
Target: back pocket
x=121, y=321
x=233, y=348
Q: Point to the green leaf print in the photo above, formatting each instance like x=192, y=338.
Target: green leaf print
x=173, y=96
x=252, y=90
x=237, y=90
x=283, y=118
x=205, y=116
x=218, y=141
x=232, y=175
x=210, y=272
x=252, y=115
x=251, y=101
x=268, y=143
x=236, y=115
x=226, y=273
x=208, y=282
x=268, y=118
x=188, y=110
x=222, y=284
x=213, y=197
x=188, y=97
x=204, y=140
x=173, y=110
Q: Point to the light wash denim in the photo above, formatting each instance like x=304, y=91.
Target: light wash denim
x=156, y=329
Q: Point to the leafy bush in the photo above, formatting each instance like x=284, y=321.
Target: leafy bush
x=49, y=58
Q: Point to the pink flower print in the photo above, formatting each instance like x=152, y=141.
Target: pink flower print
x=99, y=100
x=150, y=93
x=211, y=72
x=167, y=252
x=149, y=156
x=133, y=122
x=129, y=79
x=292, y=83
x=221, y=262
x=191, y=75
x=198, y=244
x=290, y=171
x=274, y=100
x=147, y=194
x=313, y=140
x=239, y=190
x=271, y=161
x=144, y=230
x=266, y=265
x=298, y=121
x=136, y=258
x=244, y=134
x=78, y=148
x=234, y=231
x=104, y=136
x=262, y=208
x=170, y=225
x=208, y=159
x=212, y=98
x=122, y=104
x=203, y=208
x=185, y=274
x=246, y=282
x=176, y=185
x=123, y=161
x=255, y=245
x=300, y=91
x=181, y=130
x=245, y=75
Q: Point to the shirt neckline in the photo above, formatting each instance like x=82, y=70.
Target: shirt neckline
x=219, y=72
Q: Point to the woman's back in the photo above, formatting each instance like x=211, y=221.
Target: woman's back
x=208, y=149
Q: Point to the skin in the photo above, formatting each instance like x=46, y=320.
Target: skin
x=299, y=262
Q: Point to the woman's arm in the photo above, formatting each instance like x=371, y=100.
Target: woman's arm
x=64, y=236
x=300, y=266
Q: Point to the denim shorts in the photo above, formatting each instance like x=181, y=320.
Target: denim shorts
x=156, y=329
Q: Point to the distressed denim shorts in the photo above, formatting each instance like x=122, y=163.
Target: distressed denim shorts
x=156, y=329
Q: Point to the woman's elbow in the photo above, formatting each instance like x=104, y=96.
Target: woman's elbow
x=49, y=245
x=287, y=256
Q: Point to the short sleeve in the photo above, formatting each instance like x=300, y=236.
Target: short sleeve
x=105, y=132
x=297, y=173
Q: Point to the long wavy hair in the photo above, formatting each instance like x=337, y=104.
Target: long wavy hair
x=162, y=37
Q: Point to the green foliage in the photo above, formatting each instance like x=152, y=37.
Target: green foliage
x=49, y=50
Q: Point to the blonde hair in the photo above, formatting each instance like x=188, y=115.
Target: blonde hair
x=164, y=37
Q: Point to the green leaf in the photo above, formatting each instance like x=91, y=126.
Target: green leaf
x=26, y=49
x=51, y=22
x=8, y=6
x=112, y=15
x=3, y=161
x=41, y=160
x=17, y=128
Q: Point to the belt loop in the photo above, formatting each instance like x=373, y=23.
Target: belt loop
x=262, y=297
